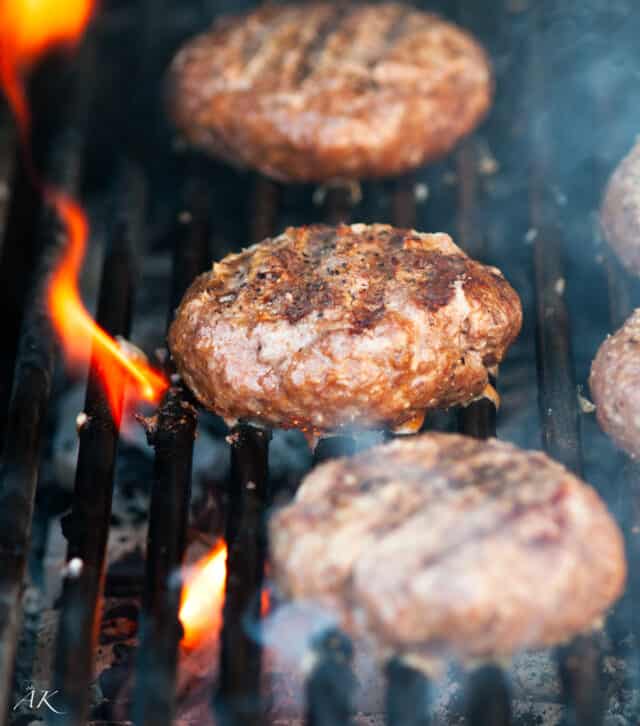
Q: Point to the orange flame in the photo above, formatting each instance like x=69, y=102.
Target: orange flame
x=265, y=603
x=27, y=29
x=203, y=598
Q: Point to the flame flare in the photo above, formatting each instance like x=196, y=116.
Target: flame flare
x=28, y=28
x=203, y=598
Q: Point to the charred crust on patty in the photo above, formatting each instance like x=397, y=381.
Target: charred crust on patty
x=326, y=327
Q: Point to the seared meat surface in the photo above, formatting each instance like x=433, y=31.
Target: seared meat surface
x=324, y=90
x=443, y=545
x=323, y=328
x=620, y=214
x=615, y=385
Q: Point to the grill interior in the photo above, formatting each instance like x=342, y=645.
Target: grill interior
x=522, y=193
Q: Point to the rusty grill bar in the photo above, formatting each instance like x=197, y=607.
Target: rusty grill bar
x=237, y=699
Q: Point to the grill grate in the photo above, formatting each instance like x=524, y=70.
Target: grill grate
x=456, y=208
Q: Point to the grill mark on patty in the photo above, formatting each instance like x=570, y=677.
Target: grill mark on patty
x=327, y=266
x=280, y=71
x=500, y=525
x=488, y=530
x=395, y=31
x=492, y=480
x=492, y=488
x=314, y=295
x=263, y=46
x=312, y=56
x=480, y=473
x=441, y=273
x=369, y=309
x=253, y=44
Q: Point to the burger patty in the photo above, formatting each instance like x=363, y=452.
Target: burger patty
x=443, y=545
x=324, y=327
x=615, y=385
x=325, y=90
x=620, y=214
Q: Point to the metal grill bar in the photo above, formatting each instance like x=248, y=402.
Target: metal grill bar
x=558, y=402
x=34, y=361
x=557, y=389
x=266, y=200
x=489, y=703
x=479, y=418
x=237, y=699
x=331, y=685
x=87, y=525
x=631, y=482
x=7, y=161
x=332, y=447
x=338, y=204
x=408, y=695
x=237, y=702
x=172, y=439
x=404, y=202
x=579, y=668
x=172, y=435
x=619, y=289
x=19, y=472
x=18, y=251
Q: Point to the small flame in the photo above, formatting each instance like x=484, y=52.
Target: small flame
x=265, y=602
x=203, y=598
x=28, y=28
x=75, y=326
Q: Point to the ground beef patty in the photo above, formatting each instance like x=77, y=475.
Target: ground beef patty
x=324, y=90
x=327, y=327
x=620, y=214
x=615, y=385
x=446, y=544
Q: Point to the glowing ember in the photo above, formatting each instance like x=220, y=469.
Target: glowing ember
x=203, y=598
x=27, y=29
